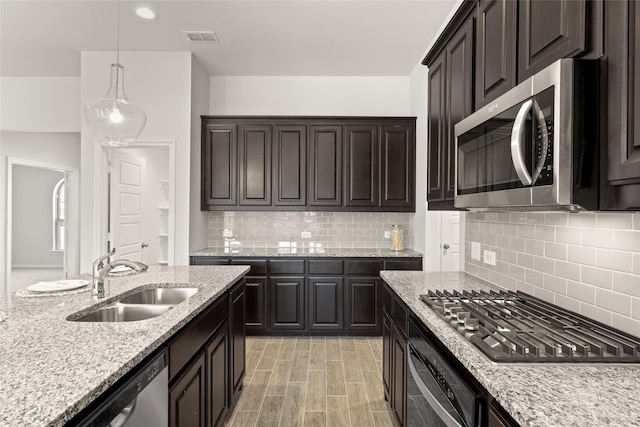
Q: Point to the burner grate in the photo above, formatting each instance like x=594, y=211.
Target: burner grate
x=517, y=327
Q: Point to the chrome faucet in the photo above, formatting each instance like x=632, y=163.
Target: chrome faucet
x=100, y=271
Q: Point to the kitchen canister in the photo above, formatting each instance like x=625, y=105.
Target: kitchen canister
x=397, y=238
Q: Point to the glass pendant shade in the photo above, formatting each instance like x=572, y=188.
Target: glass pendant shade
x=114, y=120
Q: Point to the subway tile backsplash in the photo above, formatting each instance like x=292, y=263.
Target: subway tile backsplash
x=585, y=262
x=351, y=230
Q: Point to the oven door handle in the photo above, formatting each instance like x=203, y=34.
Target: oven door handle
x=517, y=141
x=436, y=406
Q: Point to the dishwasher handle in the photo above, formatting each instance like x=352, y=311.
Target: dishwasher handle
x=124, y=415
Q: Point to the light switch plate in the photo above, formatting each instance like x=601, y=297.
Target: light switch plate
x=306, y=234
x=387, y=234
x=489, y=257
x=227, y=233
x=475, y=251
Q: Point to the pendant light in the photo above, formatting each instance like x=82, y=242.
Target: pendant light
x=114, y=120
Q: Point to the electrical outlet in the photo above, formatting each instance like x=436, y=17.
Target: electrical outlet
x=306, y=234
x=489, y=257
x=475, y=251
x=227, y=233
x=387, y=234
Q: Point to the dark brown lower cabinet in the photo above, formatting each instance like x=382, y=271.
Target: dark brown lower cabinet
x=325, y=303
x=256, y=303
x=286, y=310
x=386, y=356
x=363, y=303
x=217, y=378
x=207, y=363
x=394, y=352
x=399, y=367
x=187, y=396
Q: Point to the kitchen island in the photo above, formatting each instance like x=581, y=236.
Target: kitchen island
x=52, y=368
x=535, y=395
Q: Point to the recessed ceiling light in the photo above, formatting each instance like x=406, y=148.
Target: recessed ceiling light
x=146, y=13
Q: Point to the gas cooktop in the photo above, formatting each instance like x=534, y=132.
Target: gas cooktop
x=517, y=327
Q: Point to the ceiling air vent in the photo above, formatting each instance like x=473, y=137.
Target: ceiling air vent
x=201, y=36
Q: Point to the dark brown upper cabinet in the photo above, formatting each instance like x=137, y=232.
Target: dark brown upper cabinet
x=289, y=165
x=450, y=99
x=254, y=157
x=397, y=166
x=219, y=165
x=325, y=166
x=361, y=165
x=621, y=95
x=495, y=49
x=547, y=31
x=308, y=163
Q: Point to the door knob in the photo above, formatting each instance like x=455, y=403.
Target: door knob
x=144, y=245
x=445, y=246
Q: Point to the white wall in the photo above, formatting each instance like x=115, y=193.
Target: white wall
x=198, y=220
x=160, y=83
x=59, y=148
x=338, y=96
x=32, y=219
x=40, y=104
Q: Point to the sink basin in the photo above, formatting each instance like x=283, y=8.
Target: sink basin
x=171, y=296
x=119, y=312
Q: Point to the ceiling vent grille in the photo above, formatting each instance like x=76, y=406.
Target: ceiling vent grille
x=201, y=36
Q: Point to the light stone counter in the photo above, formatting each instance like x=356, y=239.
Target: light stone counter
x=307, y=252
x=51, y=368
x=535, y=395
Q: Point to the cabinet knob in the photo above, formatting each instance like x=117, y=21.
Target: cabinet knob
x=445, y=246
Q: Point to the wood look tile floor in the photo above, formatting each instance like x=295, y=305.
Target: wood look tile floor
x=312, y=381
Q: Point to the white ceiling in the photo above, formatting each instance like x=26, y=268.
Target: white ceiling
x=257, y=38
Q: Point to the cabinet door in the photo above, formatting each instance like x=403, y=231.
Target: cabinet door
x=495, y=49
x=217, y=378
x=256, y=303
x=399, y=376
x=361, y=165
x=325, y=166
x=549, y=30
x=290, y=165
x=386, y=356
x=397, y=166
x=623, y=113
x=187, y=396
x=437, y=129
x=237, y=332
x=326, y=303
x=459, y=98
x=219, y=165
x=286, y=295
x=363, y=304
x=254, y=155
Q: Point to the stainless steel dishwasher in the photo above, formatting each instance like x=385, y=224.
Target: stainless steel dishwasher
x=142, y=401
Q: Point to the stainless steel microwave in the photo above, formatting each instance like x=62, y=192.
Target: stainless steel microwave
x=535, y=147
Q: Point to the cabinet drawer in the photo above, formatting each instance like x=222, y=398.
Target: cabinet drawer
x=399, y=314
x=286, y=266
x=191, y=339
x=326, y=266
x=258, y=266
x=208, y=260
x=363, y=268
x=405, y=264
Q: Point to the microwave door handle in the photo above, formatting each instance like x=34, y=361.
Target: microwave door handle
x=517, y=140
x=538, y=116
x=436, y=406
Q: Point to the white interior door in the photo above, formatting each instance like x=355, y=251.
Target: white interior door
x=127, y=175
x=450, y=241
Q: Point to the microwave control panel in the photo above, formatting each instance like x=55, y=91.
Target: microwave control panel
x=546, y=175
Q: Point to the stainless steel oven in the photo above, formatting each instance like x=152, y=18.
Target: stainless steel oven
x=438, y=394
x=536, y=146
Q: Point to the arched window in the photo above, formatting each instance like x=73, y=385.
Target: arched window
x=59, y=215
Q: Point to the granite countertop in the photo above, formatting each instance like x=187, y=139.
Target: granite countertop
x=534, y=394
x=51, y=368
x=310, y=252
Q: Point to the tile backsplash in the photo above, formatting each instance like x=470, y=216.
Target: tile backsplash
x=586, y=262
x=256, y=230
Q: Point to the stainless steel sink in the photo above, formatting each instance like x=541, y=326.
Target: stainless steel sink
x=141, y=305
x=119, y=312
x=170, y=296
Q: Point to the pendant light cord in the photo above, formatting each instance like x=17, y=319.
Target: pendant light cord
x=118, y=35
